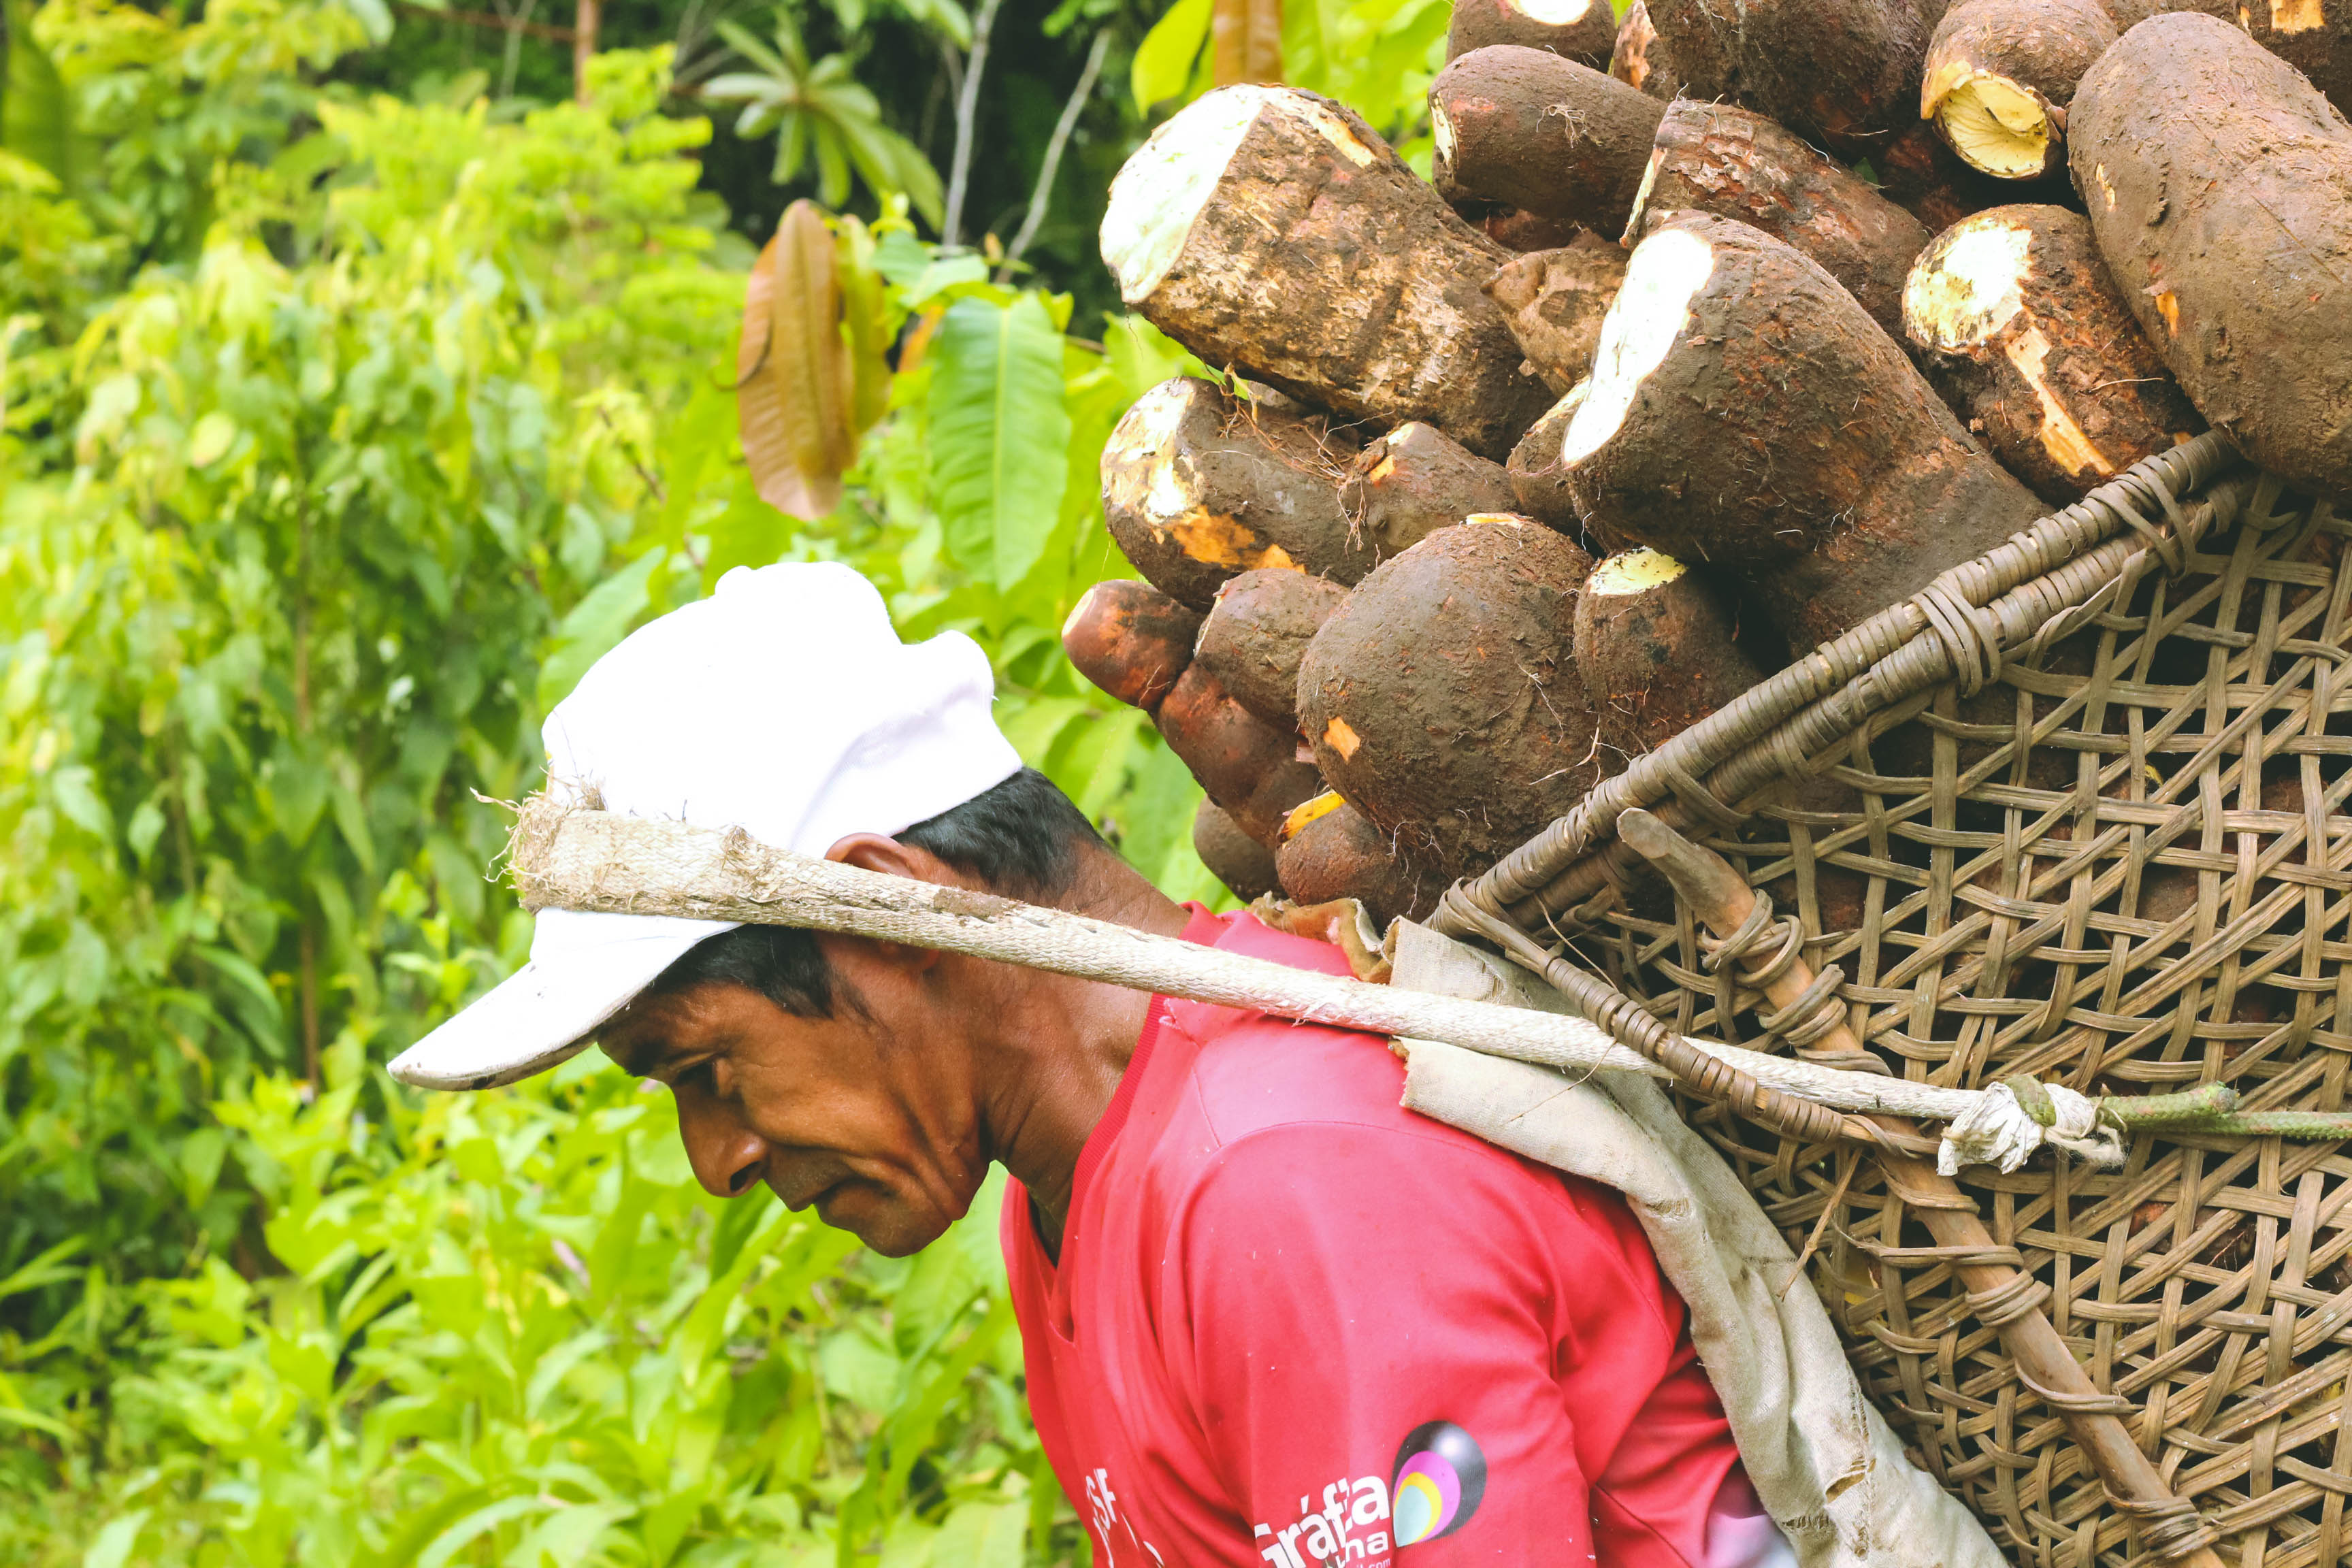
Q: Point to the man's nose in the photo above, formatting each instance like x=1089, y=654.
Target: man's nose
x=728, y=1157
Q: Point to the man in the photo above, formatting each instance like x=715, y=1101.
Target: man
x=1269, y=1316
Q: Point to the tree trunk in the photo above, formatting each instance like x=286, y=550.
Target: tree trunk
x=585, y=22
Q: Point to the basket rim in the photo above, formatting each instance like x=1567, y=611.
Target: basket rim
x=2043, y=583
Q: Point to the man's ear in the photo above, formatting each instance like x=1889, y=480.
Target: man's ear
x=873, y=852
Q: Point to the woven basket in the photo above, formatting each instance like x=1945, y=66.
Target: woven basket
x=2073, y=812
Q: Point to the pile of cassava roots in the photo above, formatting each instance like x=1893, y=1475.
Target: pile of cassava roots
x=1717, y=330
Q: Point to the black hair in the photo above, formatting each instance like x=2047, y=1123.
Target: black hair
x=1021, y=838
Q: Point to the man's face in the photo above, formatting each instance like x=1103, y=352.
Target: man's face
x=867, y=1115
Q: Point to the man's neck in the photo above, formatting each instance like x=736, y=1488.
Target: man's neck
x=1058, y=1047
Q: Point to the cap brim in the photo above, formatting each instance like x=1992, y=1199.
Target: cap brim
x=542, y=1014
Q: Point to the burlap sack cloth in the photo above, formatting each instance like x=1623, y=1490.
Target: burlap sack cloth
x=1827, y=1467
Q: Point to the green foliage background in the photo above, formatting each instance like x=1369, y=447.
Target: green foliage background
x=341, y=429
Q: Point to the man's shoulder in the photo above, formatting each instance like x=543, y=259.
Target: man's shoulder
x=1269, y=1080
x=1269, y=1131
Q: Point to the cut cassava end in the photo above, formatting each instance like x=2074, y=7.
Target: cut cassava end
x=1131, y=640
x=1537, y=473
x=1340, y=853
x=2220, y=187
x=1745, y=413
x=1272, y=231
x=2037, y=351
x=1248, y=766
x=1406, y=485
x=1584, y=31
x=2000, y=75
x=1243, y=864
x=1842, y=73
x=1198, y=485
x=1256, y=632
x=1556, y=300
x=1629, y=60
x=1721, y=159
x=1656, y=649
x=1541, y=133
x=1440, y=699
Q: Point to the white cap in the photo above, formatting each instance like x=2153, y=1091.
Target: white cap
x=785, y=705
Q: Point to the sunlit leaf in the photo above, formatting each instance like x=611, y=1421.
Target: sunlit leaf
x=1167, y=63
x=36, y=110
x=998, y=430
x=596, y=625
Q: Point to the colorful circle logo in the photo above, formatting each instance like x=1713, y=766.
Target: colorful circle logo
x=1440, y=1476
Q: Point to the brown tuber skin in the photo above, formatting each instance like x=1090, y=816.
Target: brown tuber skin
x=1656, y=649
x=1584, y=31
x=1539, y=476
x=1747, y=413
x=2315, y=36
x=1716, y=158
x=1839, y=73
x=1340, y=854
x=1256, y=632
x=1440, y=699
x=1272, y=231
x=2000, y=75
x=1629, y=62
x=1556, y=300
x=1249, y=767
x=1920, y=174
x=2220, y=187
x=1244, y=865
x=1542, y=134
x=1412, y=481
x=1131, y=640
x=1199, y=487
x=2037, y=351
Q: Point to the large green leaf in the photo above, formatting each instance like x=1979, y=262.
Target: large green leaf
x=37, y=119
x=998, y=431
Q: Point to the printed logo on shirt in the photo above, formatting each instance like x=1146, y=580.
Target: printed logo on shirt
x=1352, y=1527
x=1440, y=1476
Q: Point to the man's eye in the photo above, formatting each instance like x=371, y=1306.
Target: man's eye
x=702, y=1076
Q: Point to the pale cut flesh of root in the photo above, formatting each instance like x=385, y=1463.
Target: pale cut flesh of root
x=1996, y=126
x=1974, y=287
x=1633, y=572
x=1645, y=320
x=1552, y=13
x=1148, y=433
x=1641, y=196
x=1441, y=131
x=1161, y=190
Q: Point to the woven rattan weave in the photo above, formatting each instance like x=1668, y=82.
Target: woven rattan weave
x=2074, y=813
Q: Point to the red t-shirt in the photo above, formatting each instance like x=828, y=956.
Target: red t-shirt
x=1296, y=1324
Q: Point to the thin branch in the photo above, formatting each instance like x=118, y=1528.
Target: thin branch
x=967, y=111
x=1042, y=197
x=514, y=49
